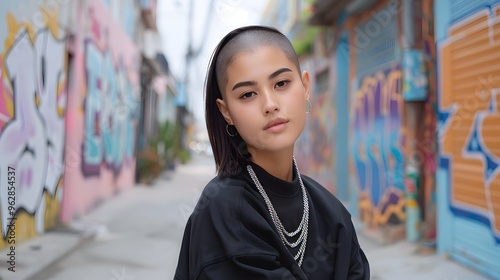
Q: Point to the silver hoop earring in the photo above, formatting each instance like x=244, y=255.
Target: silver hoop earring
x=228, y=133
x=308, y=106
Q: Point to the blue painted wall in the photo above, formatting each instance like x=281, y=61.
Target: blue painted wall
x=468, y=228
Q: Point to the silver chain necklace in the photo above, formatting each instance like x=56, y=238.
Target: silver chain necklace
x=283, y=233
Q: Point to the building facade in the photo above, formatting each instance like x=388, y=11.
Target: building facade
x=468, y=170
x=70, y=95
x=384, y=59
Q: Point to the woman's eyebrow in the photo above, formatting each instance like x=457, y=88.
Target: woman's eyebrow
x=279, y=71
x=244, y=84
x=252, y=83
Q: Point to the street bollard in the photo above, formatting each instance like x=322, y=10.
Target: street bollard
x=412, y=187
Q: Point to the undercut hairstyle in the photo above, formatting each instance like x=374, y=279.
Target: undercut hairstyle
x=231, y=153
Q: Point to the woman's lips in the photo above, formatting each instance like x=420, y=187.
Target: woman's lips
x=276, y=125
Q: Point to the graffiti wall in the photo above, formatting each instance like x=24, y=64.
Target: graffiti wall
x=376, y=124
x=469, y=131
x=33, y=75
x=376, y=147
x=315, y=146
x=102, y=111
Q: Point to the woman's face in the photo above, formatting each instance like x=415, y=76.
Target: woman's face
x=265, y=99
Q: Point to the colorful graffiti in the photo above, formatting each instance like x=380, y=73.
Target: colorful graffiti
x=316, y=144
x=469, y=117
x=377, y=153
x=32, y=108
x=102, y=110
x=109, y=113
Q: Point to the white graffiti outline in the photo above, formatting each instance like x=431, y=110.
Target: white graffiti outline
x=38, y=163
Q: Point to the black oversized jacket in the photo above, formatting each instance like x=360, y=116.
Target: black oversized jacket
x=230, y=234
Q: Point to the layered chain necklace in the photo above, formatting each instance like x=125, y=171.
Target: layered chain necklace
x=283, y=233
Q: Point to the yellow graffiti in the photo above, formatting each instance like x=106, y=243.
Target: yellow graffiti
x=9, y=103
x=53, y=208
x=51, y=19
x=373, y=216
x=470, y=79
x=389, y=90
x=14, y=27
x=25, y=225
x=24, y=229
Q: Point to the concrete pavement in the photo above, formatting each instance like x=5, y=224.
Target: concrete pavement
x=138, y=232
x=136, y=235
x=402, y=261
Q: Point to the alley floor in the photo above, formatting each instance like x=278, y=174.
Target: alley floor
x=137, y=234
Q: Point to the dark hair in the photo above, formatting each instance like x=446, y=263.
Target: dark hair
x=231, y=153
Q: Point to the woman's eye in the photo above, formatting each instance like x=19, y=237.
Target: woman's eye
x=247, y=95
x=281, y=84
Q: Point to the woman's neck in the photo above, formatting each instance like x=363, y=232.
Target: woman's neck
x=278, y=164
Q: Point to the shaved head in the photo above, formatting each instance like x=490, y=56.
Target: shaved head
x=248, y=41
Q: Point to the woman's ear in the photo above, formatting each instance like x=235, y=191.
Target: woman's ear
x=224, y=110
x=306, y=81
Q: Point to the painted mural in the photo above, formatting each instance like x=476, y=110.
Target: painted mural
x=109, y=112
x=33, y=94
x=102, y=111
x=376, y=147
x=376, y=135
x=469, y=133
x=316, y=144
x=470, y=116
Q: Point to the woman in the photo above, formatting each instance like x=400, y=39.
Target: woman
x=259, y=218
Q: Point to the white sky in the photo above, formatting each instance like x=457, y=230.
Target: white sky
x=173, y=27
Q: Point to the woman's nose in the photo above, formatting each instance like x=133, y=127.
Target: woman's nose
x=271, y=104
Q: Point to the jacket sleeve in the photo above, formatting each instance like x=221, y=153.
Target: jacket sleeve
x=246, y=267
x=358, y=267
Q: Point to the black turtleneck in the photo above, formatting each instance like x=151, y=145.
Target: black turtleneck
x=286, y=198
x=231, y=235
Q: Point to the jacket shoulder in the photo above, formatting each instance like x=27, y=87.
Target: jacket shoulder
x=219, y=195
